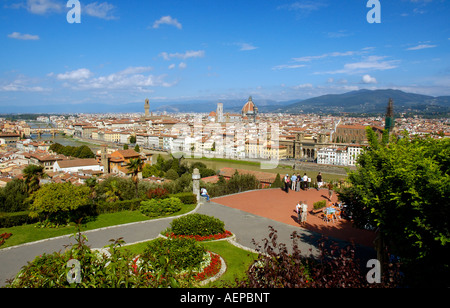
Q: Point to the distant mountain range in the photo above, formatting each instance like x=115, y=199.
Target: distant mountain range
x=369, y=101
x=362, y=101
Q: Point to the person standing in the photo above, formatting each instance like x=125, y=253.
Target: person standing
x=319, y=181
x=298, y=183
x=305, y=181
x=293, y=181
x=298, y=209
x=286, y=180
x=304, y=212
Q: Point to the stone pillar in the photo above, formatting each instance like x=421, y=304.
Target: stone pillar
x=196, y=184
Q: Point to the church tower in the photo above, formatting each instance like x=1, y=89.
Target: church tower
x=147, y=108
x=389, y=119
x=104, y=159
x=219, y=113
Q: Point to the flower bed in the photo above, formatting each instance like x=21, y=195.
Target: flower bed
x=200, y=238
x=211, y=270
x=210, y=267
x=4, y=237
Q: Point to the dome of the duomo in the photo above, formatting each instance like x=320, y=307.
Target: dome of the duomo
x=249, y=107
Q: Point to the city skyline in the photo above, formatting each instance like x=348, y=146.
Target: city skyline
x=122, y=52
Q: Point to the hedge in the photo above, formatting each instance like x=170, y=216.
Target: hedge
x=197, y=224
x=160, y=207
x=319, y=204
x=185, y=197
x=118, y=206
x=184, y=254
x=8, y=220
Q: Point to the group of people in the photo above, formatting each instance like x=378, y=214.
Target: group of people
x=297, y=182
x=302, y=212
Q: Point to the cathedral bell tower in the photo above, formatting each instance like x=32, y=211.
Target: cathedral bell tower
x=389, y=119
x=147, y=107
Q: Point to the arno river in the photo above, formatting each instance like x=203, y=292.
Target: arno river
x=65, y=141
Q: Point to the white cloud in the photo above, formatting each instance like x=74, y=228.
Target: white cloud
x=368, y=79
x=371, y=63
x=188, y=54
x=26, y=37
x=287, y=66
x=182, y=65
x=42, y=7
x=167, y=20
x=135, y=70
x=303, y=86
x=131, y=78
x=422, y=46
x=21, y=84
x=100, y=10
x=171, y=66
x=77, y=75
x=326, y=55
x=303, y=6
x=14, y=87
x=246, y=46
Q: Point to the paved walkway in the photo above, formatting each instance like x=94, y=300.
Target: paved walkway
x=243, y=222
x=278, y=205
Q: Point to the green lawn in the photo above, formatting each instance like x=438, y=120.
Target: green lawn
x=30, y=233
x=238, y=261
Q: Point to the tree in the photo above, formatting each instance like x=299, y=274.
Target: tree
x=242, y=182
x=113, y=192
x=13, y=197
x=277, y=183
x=137, y=149
x=125, y=146
x=80, y=152
x=135, y=166
x=85, y=152
x=151, y=170
x=32, y=175
x=92, y=183
x=402, y=188
x=58, y=202
x=171, y=175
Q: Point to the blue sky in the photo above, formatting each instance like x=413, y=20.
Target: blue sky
x=126, y=51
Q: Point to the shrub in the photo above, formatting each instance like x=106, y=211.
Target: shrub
x=336, y=267
x=111, y=271
x=319, y=204
x=157, y=193
x=118, y=206
x=160, y=207
x=197, y=224
x=60, y=202
x=186, y=197
x=277, y=183
x=171, y=175
x=184, y=253
x=8, y=220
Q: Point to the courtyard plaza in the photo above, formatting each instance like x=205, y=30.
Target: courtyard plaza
x=277, y=205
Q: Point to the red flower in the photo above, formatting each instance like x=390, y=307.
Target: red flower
x=211, y=270
x=202, y=238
